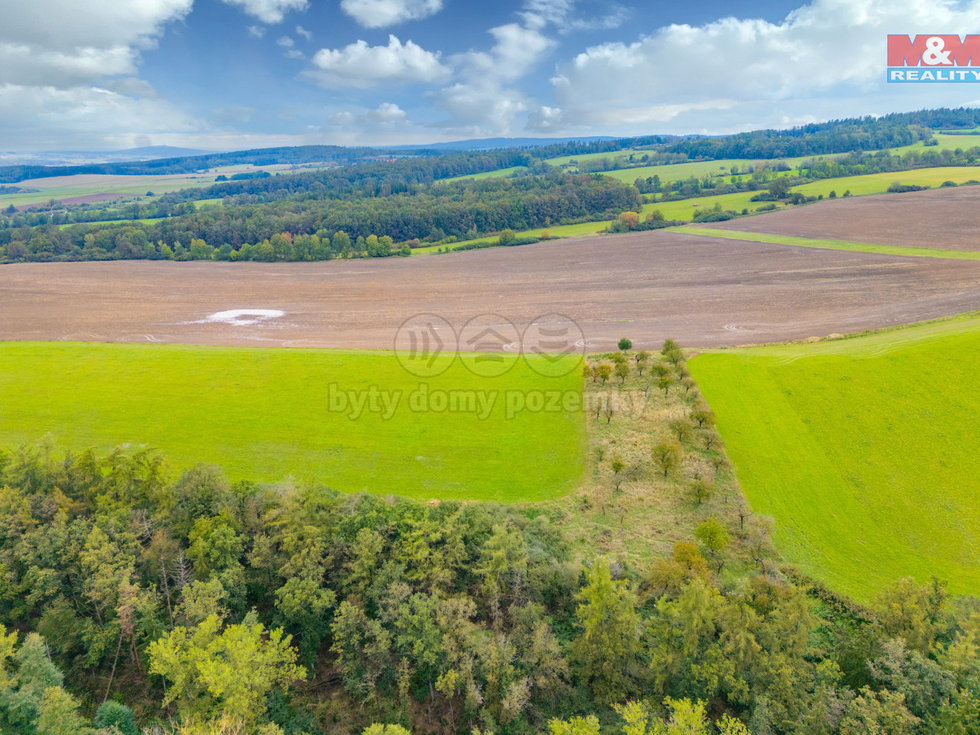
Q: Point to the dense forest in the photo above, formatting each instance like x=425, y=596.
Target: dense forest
x=836, y=136
x=318, y=227
x=129, y=600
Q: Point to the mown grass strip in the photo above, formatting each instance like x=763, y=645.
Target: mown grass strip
x=807, y=242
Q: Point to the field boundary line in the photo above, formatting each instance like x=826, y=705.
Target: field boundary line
x=846, y=245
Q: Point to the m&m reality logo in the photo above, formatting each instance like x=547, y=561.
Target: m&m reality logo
x=934, y=58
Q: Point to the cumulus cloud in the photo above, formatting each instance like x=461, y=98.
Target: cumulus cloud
x=516, y=51
x=824, y=49
x=51, y=117
x=68, y=71
x=269, y=11
x=61, y=43
x=361, y=65
x=482, y=102
x=307, y=34
x=384, y=13
x=256, y=31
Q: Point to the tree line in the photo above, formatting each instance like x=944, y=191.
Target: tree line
x=248, y=230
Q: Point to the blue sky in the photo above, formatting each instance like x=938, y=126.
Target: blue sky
x=223, y=74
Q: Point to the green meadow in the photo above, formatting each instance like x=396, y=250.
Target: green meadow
x=879, y=183
x=495, y=174
x=863, y=450
x=271, y=414
x=810, y=242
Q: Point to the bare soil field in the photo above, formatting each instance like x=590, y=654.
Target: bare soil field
x=938, y=218
x=647, y=286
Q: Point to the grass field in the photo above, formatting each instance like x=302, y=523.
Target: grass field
x=809, y=242
x=500, y=172
x=145, y=221
x=879, y=183
x=864, y=450
x=582, y=158
x=944, y=142
x=266, y=414
x=68, y=187
x=685, y=208
x=579, y=230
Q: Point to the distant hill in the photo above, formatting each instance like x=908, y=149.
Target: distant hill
x=486, y=144
x=156, y=151
x=150, y=165
x=834, y=136
x=81, y=158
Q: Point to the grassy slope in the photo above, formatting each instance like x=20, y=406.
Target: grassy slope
x=131, y=186
x=684, y=209
x=809, y=242
x=864, y=450
x=878, y=183
x=500, y=172
x=263, y=414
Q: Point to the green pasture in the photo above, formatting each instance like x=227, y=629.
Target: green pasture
x=581, y=229
x=496, y=174
x=684, y=209
x=131, y=186
x=584, y=157
x=863, y=450
x=879, y=183
x=145, y=221
x=945, y=142
x=270, y=414
x=809, y=242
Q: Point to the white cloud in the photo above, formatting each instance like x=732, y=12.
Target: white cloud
x=545, y=119
x=61, y=43
x=829, y=49
x=384, y=13
x=478, y=110
x=387, y=115
x=256, y=31
x=269, y=11
x=360, y=65
x=516, y=51
x=49, y=117
x=560, y=13
x=300, y=31
x=483, y=103
x=68, y=24
x=68, y=71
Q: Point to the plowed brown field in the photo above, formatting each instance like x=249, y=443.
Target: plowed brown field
x=646, y=286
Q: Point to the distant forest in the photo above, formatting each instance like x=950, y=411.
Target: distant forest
x=836, y=136
x=319, y=225
x=377, y=203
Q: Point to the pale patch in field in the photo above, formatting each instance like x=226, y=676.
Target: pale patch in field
x=242, y=317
